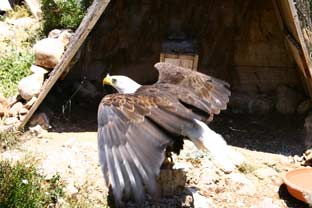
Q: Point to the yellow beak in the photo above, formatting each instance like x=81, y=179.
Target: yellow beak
x=107, y=80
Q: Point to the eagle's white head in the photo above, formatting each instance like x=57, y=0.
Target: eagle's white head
x=121, y=83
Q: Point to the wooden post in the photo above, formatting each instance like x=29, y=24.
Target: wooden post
x=94, y=13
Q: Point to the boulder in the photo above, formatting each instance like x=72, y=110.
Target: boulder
x=14, y=110
x=30, y=86
x=304, y=107
x=30, y=103
x=10, y=120
x=288, y=99
x=250, y=103
x=40, y=119
x=48, y=52
x=34, y=7
x=54, y=33
x=5, y=31
x=23, y=111
x=3, y=100
x=308, y=131
x=5, y=5
x=14, y=99
x=23, y=22
x=65, y=36
x=3, y=110
x=37, y=69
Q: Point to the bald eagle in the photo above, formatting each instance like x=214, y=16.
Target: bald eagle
x=137, y=125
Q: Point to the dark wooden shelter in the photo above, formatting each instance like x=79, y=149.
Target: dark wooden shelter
x=255, y=45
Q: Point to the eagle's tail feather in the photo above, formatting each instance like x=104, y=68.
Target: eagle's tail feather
x=206, y=139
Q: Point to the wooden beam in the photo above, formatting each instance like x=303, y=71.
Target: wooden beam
x=300, y=35
x=291, y=31
x=94, y=13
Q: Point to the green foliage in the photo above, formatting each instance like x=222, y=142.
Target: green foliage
x=15, y=64
x=22, y=187
x=246, y=168
x=65, y=14
x=18, y=12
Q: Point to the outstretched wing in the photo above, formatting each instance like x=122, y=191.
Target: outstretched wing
x=194, y=88
x=132, y=137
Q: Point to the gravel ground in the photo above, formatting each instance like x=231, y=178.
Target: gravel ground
x=256, y=183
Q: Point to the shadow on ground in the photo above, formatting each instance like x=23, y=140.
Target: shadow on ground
x=272, y=133
x=289, y=200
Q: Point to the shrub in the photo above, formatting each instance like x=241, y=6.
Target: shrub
x=66, y=14
x=18, y=12
x=22, y=186
x=15, y=65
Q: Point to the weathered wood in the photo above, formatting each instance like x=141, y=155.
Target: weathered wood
x=188, y=61
x=289, y=23
x=94, y=13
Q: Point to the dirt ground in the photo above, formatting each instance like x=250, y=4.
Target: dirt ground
x=268, y=143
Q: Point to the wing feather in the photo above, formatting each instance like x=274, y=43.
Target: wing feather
x=133, y=129
x=204, y=92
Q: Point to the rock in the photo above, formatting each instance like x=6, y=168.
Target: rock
x=37, y=69
x=308, y=131
x=40, y=119
x=14, y=99
x=30, y=103
x=308, y=197
x=6, y=128
x=242, y=184
x=287, y=99
x=260, y=105
x=10, y=120
x=264, y=173
x=3, y=100
x=30, y=86
x=21, y=117
x=5, y=5
x=188, y=201
x=250, y=103
x=65, y=37
x=5, y=31
x=304, y=107
x=23, y=111
x=15, y=109
x=36, y=130
x=307, y=156
x=48, y=52
x=3, y=110
x=199, y=200
x=23, y=22
x=266, y=203
x=34, y=7
x=71, y=189
x=172, y=181
x=54, y=33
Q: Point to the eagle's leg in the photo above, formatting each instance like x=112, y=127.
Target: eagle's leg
x=168, y=161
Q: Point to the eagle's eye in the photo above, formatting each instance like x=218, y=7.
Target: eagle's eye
x=114, y=81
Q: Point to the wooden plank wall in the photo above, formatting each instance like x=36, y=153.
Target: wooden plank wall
x=87, y=24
